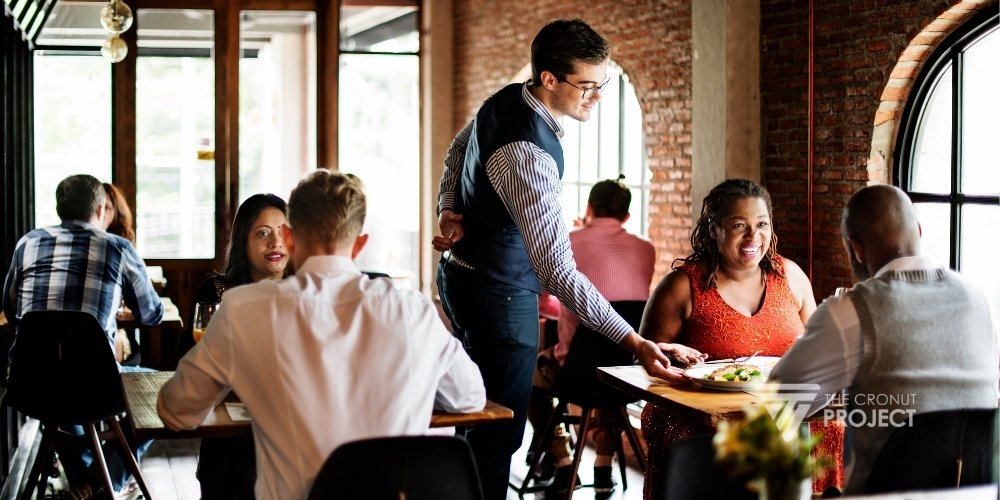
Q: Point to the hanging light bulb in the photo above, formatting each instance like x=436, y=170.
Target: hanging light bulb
x=116, y=17
x=114, y=48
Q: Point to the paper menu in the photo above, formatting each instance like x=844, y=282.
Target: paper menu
x=238, y=412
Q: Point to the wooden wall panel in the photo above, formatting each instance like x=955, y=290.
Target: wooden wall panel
x=16, y=136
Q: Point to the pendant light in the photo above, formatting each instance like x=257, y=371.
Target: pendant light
x=116, y=18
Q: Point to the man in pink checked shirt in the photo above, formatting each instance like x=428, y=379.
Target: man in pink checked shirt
x=620, y=265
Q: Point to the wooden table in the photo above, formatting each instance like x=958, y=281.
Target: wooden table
x=716, y=405
x=158, y=343
x=141, y=390
x=171, y=317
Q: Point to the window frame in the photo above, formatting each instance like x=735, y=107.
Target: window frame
x=949, y=54
x=227, y=53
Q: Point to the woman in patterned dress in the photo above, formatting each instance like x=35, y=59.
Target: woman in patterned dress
x=733, y=296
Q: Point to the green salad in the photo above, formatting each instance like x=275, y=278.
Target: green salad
x=736, y=373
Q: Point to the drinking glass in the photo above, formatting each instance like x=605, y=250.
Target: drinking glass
x=203, y=312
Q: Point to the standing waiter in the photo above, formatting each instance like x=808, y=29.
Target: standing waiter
x=504, y=238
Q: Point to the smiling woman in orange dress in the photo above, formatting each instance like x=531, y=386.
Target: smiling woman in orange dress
x=733, y=296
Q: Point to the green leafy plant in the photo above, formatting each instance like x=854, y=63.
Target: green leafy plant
x=754, y=447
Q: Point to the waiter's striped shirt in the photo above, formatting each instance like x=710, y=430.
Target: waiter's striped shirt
x=526, y=179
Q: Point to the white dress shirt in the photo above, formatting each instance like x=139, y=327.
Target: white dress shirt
x=830, y=352
x=324, y=357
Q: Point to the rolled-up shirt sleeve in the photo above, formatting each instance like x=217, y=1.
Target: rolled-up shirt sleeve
x=460, y=386
x=828, y=354
x=197, y=386
x=460, y=389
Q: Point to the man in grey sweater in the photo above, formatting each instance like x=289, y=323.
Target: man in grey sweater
x=894, y=340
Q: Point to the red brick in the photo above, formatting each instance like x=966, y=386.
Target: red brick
x=928, y=38
x=915, y=53
x=859, y=46
x=941, y=24
x=908, y=69
x=895, y=93
x=884, y=116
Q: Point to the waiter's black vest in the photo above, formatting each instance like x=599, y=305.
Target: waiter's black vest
x=492, y=242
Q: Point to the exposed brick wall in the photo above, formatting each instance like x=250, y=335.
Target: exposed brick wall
x=858, y=44
x=902, y=78
x=650, y=40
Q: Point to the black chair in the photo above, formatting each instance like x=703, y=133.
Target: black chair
x=942, y=449
x=63, y=372
x=389, y=468
x=688, y=472
x=577, y=384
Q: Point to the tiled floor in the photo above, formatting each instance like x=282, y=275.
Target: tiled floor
x=169, y=468
x=634, y=476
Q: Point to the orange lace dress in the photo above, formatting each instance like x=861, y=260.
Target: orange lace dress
x=719, y=331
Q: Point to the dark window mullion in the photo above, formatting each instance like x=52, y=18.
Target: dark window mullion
x=581, y=205
x=621, y=127
x=600, y=157
x=955, y=243
x=952, y=55
x=962, y=199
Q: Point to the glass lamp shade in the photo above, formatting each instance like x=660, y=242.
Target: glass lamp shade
x=114, y=48
x=116, y=17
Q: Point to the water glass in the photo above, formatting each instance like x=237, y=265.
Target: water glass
x=203, y=312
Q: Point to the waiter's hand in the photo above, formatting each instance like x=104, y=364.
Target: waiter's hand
x=451, y=230
x=653, y=360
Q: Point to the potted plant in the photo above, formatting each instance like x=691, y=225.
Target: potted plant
x=777, y=461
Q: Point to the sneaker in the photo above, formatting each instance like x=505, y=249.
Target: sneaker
x=603, y=482
x=560, y=482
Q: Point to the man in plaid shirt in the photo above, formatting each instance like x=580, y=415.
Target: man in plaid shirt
x=77, y=266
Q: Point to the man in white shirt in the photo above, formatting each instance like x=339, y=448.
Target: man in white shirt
x=326, y=356
x=893, y=339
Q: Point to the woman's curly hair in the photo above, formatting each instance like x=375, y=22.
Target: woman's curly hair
x=713, y=210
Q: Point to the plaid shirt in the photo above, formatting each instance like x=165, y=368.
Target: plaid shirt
x=77, y=267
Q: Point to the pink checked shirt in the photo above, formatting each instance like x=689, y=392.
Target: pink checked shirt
x=618, y=263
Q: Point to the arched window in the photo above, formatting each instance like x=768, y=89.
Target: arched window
x=947, y=161
x=610, y=143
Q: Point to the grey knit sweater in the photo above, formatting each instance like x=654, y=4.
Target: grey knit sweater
x=928, y=346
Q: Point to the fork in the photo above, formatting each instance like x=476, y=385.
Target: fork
x=744, y=359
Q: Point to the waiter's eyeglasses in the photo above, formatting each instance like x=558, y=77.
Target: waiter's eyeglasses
x=589, y=92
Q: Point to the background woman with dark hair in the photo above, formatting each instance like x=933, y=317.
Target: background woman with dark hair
x=227, y=467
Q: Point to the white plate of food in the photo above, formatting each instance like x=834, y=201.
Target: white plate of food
x=732, y=376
